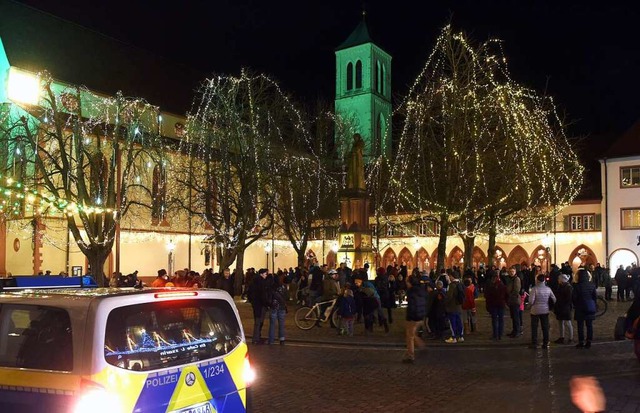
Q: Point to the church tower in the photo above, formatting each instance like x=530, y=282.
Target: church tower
x=363, y=90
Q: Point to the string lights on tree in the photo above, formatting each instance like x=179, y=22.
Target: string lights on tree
x=477, y=149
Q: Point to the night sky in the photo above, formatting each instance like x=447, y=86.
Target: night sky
x=585, y=57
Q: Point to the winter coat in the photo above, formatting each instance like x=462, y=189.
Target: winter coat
x=330, y=289
x=584, y=299
x=539, y=298
x=416, y=303
x=513, y=290
x=451, y=304
x=495, y=294
x=563, y=306
x=384, y=290
x=347, y=307
x=226, y=284
x=469, y=302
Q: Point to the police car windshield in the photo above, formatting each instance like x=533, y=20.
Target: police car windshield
x=163, y=334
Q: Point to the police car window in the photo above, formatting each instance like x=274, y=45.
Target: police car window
x=169, y=333
x=35, y=337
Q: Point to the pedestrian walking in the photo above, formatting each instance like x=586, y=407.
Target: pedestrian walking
x=584, y=302
x=416, y=311
x=453, y=304
x=541, y=299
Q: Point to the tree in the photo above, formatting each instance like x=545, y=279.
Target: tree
x=236, y=135
x=83, y=158
x=307, y=183
x=469, y=137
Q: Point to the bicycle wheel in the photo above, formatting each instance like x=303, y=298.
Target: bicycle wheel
x=335, y=319
x=601, y=306
x=305, y=318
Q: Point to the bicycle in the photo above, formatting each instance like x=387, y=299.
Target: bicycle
x=601, y=306
x=307, y=317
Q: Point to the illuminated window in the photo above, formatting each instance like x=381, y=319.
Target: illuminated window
x=582, y=222
x=423, y=229
x=630, y=177
x=374, y=230
x=630, y=218
x=358, y=74
x=391, y=231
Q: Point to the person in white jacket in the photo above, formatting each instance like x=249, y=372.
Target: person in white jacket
x=541, y=299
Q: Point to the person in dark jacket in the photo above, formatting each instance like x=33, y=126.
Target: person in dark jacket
x=387, y=294
x=584, y=303
x=278, y=309
x=347, y=312
x=416, y=311
x=226, y=282
x=258, y=295
x=495, y=294
x=563, y=308
x=621, y=282
x=633, y=313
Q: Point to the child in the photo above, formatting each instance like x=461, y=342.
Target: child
x=347, y=313
x=469, y=305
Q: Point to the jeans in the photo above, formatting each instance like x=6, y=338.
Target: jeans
x=456, y=325
x=569, y=327
x=259, y=314
x=544, y=322
x=514, y=310
x=581, y=324
x=497, y=322
x=276, y=315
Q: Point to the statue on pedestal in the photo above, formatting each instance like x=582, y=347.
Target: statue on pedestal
x=355, y=169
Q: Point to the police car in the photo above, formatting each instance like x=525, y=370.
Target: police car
x=122, y=350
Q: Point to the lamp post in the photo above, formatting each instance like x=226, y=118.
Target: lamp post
x=267, y=250
x=170, y=247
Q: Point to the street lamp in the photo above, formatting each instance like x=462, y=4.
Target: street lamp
x=170, y=247
x=267, y=249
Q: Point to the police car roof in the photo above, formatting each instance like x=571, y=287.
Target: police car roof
x=89, y=293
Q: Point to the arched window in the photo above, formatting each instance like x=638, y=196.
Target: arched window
x=350, y=76
x=158, y=195
x=358, y=74
x=383, y=77
x=378, y=77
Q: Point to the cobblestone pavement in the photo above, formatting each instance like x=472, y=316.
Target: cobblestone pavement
x=319, y=371
x=346, y=378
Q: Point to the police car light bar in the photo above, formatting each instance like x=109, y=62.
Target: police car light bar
x=176, y=294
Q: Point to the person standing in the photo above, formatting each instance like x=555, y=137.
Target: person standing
x=495, y=294
x=416, y=311
x=161, y=280
x=278, y=310
x=258, y=296
x=226, y=282
x=513, y=290
x=541, y=298
x=453, y=303
x=563, y=309
x=633, y=314
x=584, y=302
x=621, y=282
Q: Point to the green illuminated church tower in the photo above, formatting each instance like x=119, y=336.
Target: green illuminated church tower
x=363, y=90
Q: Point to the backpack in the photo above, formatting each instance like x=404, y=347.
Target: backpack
x=459, y=294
